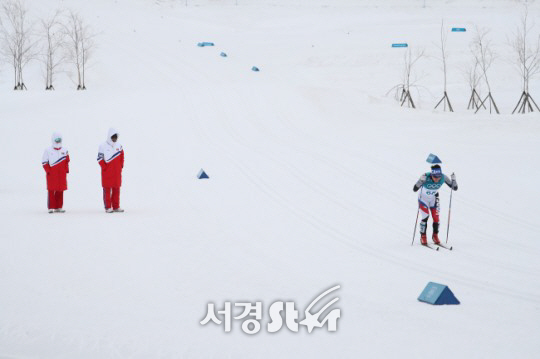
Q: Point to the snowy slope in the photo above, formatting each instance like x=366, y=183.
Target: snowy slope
x=311, y=171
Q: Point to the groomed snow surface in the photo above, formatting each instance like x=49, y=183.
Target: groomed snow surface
x=311, y=171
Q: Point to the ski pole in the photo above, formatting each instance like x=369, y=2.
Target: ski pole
x=415, y=224
x=449, y=210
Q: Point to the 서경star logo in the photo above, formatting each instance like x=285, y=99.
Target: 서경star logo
x=252, y=315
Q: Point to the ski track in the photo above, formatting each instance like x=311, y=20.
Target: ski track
x=352, y=206
x=403, y=172
x=329, y=230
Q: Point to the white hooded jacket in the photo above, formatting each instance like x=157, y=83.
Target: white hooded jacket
x=109, y=150
x=56, y=153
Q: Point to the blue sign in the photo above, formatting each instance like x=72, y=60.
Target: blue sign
x=400, y=45
x=459, y=29
x=203, y=44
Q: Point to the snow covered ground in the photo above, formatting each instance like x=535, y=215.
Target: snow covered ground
x=311, y=171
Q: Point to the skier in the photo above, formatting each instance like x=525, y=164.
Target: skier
x=55, y=162
x=428, y=199
x=111, y=159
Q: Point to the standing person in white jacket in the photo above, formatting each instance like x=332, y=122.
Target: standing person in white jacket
x=111, y=159
x=55, y=162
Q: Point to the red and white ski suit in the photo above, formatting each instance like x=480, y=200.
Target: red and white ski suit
x=111, y=159
x=55, y=162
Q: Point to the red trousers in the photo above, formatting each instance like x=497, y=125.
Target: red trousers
x=55, y=199
x=111, y=196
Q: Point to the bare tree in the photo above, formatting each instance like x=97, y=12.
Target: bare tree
x=18, y=47
x=403, y=90
x=54, y=38
x=10, y=40
x=527, y=61
x=481, y=49
x=444, y=100
x=79, y=45
x=473, y=77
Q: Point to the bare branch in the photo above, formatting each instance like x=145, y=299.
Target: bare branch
x=442, y=47
x=79, y=43
x=54, y=38
x=526, y=51
x=482, y=52
x=527, y=61
x=409, y=62
x=17, y=43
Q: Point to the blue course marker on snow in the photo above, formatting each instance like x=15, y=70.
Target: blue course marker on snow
x=202, y=174
x=459, y=29
x=255, y=68
x=437, y=294
x=203, y=44
x=400, y=45
x=433, y=159
x=223, y=54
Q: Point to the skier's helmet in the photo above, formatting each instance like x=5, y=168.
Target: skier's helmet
x=436, y=171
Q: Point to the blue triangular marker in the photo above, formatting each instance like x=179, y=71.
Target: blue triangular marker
x=437, y=294
x=433, y=159
x=447, y=297
x=255, y=68
x=202, y=174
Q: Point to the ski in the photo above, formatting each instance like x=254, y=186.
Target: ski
x=430, y=247
x=445, y=247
